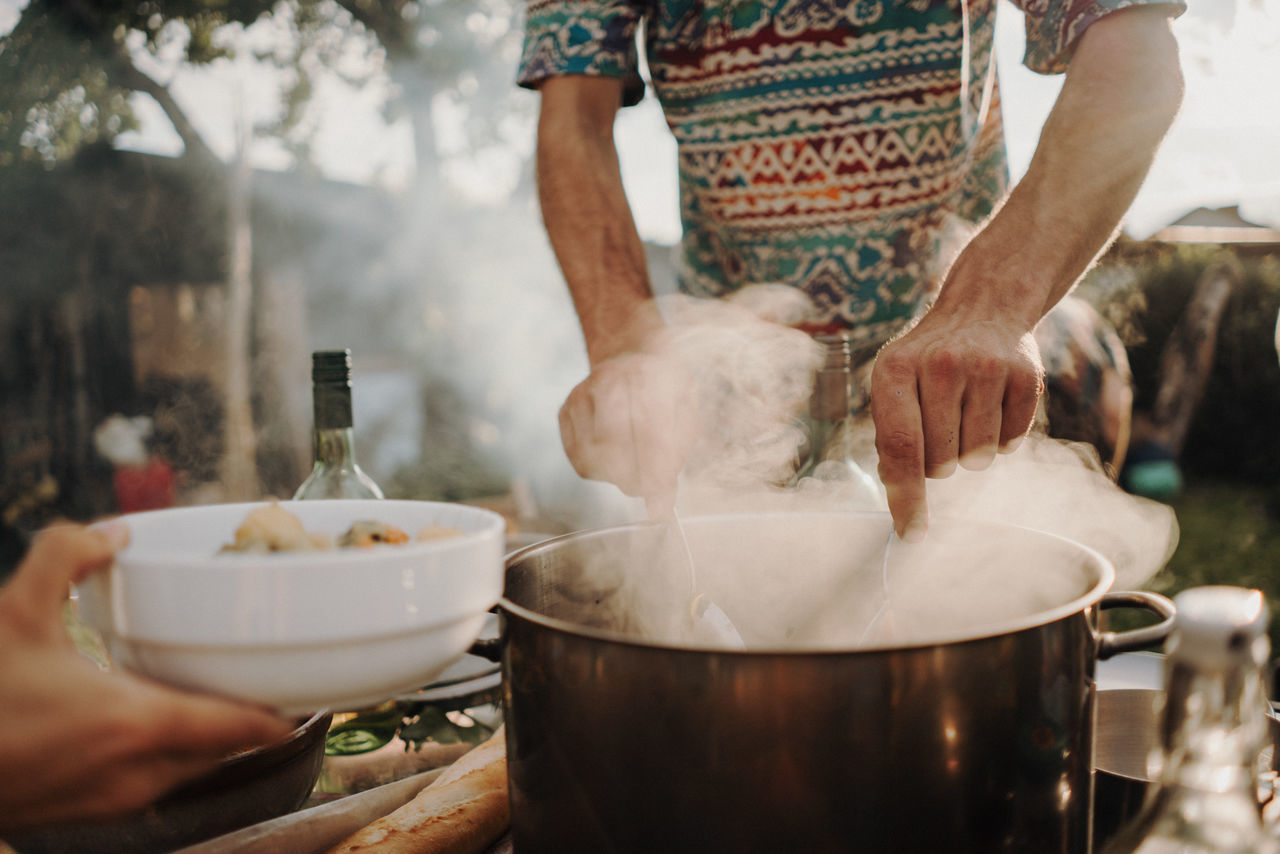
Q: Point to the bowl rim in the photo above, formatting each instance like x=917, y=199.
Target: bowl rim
x=268, y=755
x=184, y=561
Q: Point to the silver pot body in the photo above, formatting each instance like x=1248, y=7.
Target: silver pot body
x=621, y=744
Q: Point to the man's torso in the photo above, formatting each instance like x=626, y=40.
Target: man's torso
x=828, y=145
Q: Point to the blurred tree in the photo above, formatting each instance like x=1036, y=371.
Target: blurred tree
x=69, y=73
x=447, y=54
x=67, y=70
x=68, y=67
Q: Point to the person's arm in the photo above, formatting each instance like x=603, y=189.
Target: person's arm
x=630, y=422
x=80, y=743
x=964, y=381
x=588, y=219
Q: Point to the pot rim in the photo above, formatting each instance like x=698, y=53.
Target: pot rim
x=1106, y=578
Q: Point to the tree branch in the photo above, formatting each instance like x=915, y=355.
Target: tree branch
x=120, y=68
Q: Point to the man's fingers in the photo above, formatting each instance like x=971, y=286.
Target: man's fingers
x=60, y=556
x=1020, y=398
x=160, y=738
x=616, y=451
x=124, y=789
x=895, y=409
x=590, y=434
x=201, y=727
x=169, y=721
x=629, y=424
x=569, y=433
x=941, y=390
x=983, y=404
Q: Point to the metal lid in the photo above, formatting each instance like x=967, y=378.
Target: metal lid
x=331, y=366
x=1220, y=626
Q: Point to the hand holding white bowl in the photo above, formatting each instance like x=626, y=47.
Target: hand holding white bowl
x=298, y=631
x=77, y=742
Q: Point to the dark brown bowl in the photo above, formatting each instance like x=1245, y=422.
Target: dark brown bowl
x=247, y=788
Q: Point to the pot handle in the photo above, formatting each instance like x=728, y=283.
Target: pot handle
x=1114, y=643
x=490, y=648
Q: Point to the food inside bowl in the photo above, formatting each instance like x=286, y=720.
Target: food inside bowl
x=365, y=533
x=271, y=528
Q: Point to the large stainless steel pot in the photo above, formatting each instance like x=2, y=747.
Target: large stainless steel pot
x=973, y=736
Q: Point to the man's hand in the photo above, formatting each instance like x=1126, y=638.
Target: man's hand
x=632, y=422
x=967, y=377
x=949, y=391
x=80, y=743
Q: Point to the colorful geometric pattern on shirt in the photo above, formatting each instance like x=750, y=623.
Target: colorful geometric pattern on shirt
x=821, y=143
x=826, y=157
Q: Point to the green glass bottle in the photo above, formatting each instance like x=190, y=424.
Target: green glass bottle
x=335, y=474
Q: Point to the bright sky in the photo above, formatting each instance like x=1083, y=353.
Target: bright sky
x=1222, y=149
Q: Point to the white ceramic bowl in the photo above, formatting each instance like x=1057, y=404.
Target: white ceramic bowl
x=298, y=631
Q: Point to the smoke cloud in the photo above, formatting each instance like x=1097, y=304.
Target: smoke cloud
x=804, y=565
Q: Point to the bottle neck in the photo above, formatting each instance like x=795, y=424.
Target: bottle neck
x=837, y=396
x=333, y=432
x=823, y=434
x=833, y=384
x=331, y=406
x=1214, y=727
x=335, y=447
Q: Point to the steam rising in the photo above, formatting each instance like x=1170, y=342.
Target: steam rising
x=753, y=378
x=1059, y=487
x=813, y=578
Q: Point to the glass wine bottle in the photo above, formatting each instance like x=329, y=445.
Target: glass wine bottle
x=1212, y=730
x=836, y=399
x=335, y=474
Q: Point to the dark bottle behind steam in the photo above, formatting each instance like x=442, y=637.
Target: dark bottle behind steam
x=336, y=474
x=836, y=398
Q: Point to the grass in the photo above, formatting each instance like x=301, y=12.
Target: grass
x=1229, y=534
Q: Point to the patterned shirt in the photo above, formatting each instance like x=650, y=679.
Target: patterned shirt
x=826, y=144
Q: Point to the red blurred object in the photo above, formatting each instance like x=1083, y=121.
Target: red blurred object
x=149, y=486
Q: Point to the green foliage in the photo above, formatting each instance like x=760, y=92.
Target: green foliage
x=1230, y=534
x=66, y=72
x=1235, y=431
x=54, y=96
x=416, y=723
x=69, y=67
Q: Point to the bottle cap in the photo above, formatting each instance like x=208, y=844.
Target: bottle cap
x=1220, y=626
x=331, y=366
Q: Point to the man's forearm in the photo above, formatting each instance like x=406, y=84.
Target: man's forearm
x=1122, y=91
x=588, y=220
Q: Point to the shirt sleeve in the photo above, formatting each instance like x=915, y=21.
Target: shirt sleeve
x=591, y=37
x=1054, y=27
